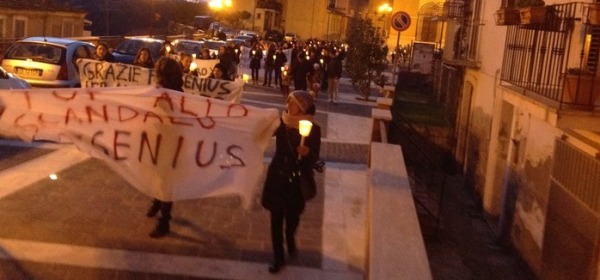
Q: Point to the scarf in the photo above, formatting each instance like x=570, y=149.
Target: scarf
x=292, y=120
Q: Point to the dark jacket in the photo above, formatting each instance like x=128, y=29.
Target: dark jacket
x=334, y=68
x=255, y=58
x=280, y=60
x=278, y=192
x=108, y=57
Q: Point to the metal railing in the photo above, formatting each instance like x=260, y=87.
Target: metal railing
x=578, y=173
x=424, y=164
x=538, y=57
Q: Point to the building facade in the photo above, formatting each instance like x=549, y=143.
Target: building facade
x=525, y=92
x=26, y=18
x=324, y=19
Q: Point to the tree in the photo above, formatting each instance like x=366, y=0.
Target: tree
x=366, y=58
x=236, y=19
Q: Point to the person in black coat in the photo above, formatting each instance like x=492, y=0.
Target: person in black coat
x=280, y=61
x=103, y=54
x=269, y=65
x=168, y=75
x=299, y=72
x=280, y=196
x=255, y=58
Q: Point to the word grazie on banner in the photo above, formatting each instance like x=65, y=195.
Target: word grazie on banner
x=167, y=144
x=94, y=74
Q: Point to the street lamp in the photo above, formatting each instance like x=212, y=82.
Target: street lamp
x=384, y=9
x=219, y=4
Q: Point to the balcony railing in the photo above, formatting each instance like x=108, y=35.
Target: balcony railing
x=269, y=5
x=555, y=61
x=454, y=9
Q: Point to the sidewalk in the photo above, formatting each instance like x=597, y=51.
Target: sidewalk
x=90, y=223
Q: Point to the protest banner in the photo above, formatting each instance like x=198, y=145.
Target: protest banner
x=204, y=66
x=167, y=144
x=94, y=74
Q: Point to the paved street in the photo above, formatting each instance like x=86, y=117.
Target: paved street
x=90, y=224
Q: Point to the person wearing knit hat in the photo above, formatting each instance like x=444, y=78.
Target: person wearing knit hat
x=218, y=72
x=304, y=100
x=282, y=195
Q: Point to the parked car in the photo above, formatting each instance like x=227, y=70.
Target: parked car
x=11, y=81
x=229, y=33
x=213, y=46
x=290, y=37
x=202, y=22
x=213, y=29
x=47, y=61
x=126, y=51
x=188, y=46
x=273, y=36
x=248, y=40
x=248, y=33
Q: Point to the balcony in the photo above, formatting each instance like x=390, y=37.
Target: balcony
x=556, y=62
x=269, y=5
x=462, y=33
x=453, y=9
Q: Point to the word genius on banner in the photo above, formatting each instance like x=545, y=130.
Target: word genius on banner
x=167, y=144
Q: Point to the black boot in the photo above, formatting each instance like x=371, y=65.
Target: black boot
x=291, y=248
x=153, y=210
x=162, y=228
x=276, y=266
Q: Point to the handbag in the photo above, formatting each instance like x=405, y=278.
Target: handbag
x=306, y=178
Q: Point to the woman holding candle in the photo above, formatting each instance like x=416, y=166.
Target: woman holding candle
x=255, y=58
x=269, y=64
x=282, y=196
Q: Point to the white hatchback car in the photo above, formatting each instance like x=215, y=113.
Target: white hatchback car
x=47, y=61
x=11, y=81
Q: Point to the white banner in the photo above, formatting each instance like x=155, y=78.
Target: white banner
x=204, y=66
x=95, y=74
x=167, y=144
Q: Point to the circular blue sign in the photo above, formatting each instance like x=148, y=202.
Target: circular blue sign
x=400, y=21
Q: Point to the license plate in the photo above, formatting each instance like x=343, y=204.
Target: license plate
x=28, y=72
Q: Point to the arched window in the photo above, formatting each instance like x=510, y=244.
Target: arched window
x=429, y=26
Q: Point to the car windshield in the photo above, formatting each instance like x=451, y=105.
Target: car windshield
x=213, y=45
x=187, y=46
x=36, y=52
x=131, y=47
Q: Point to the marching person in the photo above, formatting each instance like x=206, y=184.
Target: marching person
x=334, y=72
x=280, y=61
x=218, y=72
x=269, y=65
x=168, y=75
x=256, y=56
x=282, y=197
x=143, y=58
x=186, y=60
x=102, y=53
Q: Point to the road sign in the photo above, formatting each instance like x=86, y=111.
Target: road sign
x=400, y=21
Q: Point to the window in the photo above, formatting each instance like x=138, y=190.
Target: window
x=55, y=30
x=474, y=29
x=429, y=27
x=2, y=26
x=68, y=29
x=331, y=4
x=19, y=27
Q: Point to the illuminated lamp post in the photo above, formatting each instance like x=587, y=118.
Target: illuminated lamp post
x=385, y=9
x=219, y=5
